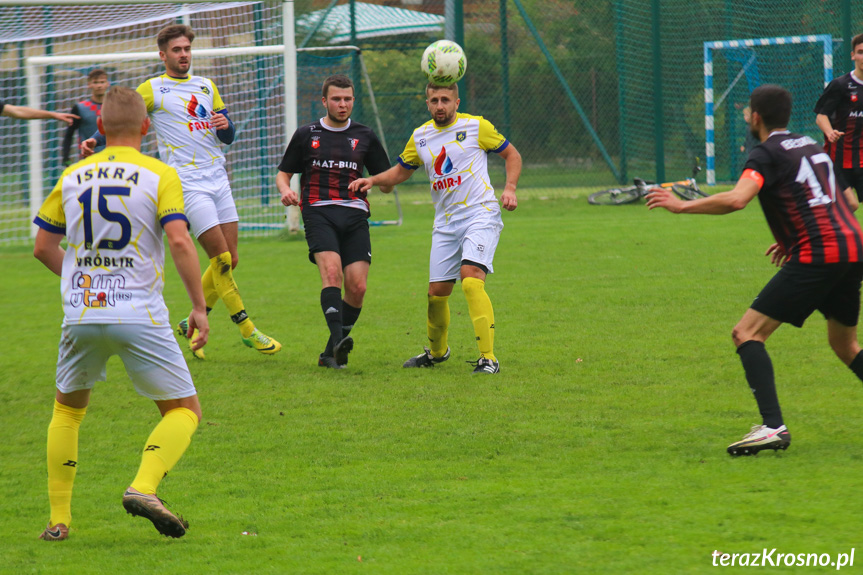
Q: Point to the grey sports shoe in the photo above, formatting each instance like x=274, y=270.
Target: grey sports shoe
x=153, y=508
x=329, y=361
x=426, y=359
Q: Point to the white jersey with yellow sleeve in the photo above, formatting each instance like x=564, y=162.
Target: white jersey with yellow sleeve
x=180, y=110
x=456, y=161
x=111, y=207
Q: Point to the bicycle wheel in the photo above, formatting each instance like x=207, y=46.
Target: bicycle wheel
x=687, y=192
x=614, y=196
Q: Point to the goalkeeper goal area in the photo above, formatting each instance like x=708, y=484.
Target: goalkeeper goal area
x=732, y=69
x=46, y=55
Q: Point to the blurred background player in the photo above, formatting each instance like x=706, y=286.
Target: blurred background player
x=192, y=147
x=331, y=153
x=87, y=111
x=112, y=281
x=749, y=139
x=24, y=113
x=819, y=248
x=839, y=112
x=454, y=149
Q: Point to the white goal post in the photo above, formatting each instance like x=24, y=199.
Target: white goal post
x=710, y=105
x=35, y=63
x=37, y=67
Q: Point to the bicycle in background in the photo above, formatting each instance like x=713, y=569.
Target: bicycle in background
x=685, y=189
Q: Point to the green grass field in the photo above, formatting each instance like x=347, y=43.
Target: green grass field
x=599, y=448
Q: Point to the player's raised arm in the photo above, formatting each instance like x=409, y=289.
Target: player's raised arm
x=718, y=204
x=24, y=113
x=392, y=177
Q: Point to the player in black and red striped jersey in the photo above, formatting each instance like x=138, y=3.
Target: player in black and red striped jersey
x=839, y=114
x=819, y=248
x=330, y=154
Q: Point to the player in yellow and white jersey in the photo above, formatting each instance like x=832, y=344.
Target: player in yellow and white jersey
x=112, y=208
x=191, y=121
x=454, y=149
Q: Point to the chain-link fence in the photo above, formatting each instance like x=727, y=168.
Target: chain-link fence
x=589, y=92
x=592, y=92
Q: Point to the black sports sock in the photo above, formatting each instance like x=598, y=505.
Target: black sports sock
x=857, y=365
x=331, y=305
x=759, y=374
x=350, y=314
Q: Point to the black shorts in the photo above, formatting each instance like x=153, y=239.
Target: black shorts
x=340, y=229
x=850, y=178
x=797, y=290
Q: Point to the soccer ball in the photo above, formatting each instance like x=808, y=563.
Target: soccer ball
x=443, y=63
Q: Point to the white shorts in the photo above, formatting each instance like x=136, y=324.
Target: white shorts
x=473, y=239
x=150, y=353
x=208, y=199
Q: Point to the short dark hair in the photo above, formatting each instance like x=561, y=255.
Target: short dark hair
x=773, y=103
x=432, y=86
x=337, y=80
x=858, y=39
x=168, y=33
x=123, y=111
x=96, y=73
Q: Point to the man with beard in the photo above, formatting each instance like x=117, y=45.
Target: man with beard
x=454, y=149
x=818, y=247
x=191, y=120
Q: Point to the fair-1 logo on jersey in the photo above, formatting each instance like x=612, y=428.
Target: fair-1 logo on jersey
x=316, y=142
x=442, y=164
x=196, y=110
x=460, y=136
x=354, y=143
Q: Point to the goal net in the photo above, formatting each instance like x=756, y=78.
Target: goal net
x=46, y=53
x=76, y=39
x=732, y=69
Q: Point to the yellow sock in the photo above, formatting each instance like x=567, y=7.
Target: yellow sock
x=438, y=324
x=63, y=460
x=223, y=279
x=210, y=294
x=481, y=314
x=164, y=448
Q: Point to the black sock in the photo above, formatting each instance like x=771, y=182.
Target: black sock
x=857, y=365
x=331, y=305
x=350, y=314
x=759, y=374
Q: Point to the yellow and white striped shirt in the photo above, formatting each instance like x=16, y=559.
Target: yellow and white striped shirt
x=111, y=207
x=180, y=110
x=456, y=161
